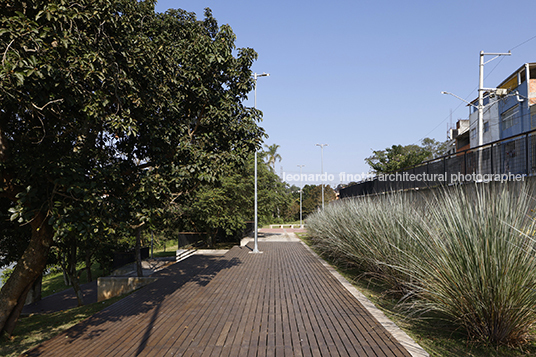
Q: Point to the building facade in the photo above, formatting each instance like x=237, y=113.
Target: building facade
x=510, y=110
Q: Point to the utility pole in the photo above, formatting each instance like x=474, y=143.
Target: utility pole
x=481, y=91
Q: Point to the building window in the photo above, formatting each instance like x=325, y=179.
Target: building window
x=486, y=126
x=509, y=117
x=473, y=133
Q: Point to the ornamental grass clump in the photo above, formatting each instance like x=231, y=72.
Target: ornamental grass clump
x=478, y=261
x=372, y=233
x=467, y=253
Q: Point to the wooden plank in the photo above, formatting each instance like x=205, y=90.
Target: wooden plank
x=282, y=302
x=241, y=332
x=177, y=304
x=339, y=325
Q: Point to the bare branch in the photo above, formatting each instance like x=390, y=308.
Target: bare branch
x=43, y=107
x=5, y=52
x=44, y=131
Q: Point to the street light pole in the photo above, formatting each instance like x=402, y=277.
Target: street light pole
x=255, y=223
x=322, y=169
x=301, y=191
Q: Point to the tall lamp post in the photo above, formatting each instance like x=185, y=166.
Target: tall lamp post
x=255, y=223
x=322, y=169
x=301, y=191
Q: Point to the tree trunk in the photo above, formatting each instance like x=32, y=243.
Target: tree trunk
x=212, y=238
x=88, y=267
x=34, y=294
x=73, y=274
x=138, y=252
x=64, y=263
x=28, y=268
x=15, y=313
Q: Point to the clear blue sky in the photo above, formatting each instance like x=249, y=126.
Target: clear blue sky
x=365, y=75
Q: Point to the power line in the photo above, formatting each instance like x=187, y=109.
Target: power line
x=468, y=96
x=522, y=43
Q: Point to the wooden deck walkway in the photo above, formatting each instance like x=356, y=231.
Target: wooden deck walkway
x=282, y=302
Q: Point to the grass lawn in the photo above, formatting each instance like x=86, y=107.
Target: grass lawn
x=53, y=282
x=436, y=336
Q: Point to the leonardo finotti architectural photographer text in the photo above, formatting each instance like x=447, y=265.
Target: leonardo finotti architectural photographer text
x=457, y=177
x=403, y=177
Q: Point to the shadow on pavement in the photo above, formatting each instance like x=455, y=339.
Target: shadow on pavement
x=199, y=269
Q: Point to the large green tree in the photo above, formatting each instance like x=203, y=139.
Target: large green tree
x=222, y=208
x=435, y=147
x=399, y=157
x=312, y=198
x=110, y=111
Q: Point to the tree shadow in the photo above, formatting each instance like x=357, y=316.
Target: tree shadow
x=198, y=269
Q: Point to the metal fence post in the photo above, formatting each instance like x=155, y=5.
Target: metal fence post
x=491, y=158
x=527, y=154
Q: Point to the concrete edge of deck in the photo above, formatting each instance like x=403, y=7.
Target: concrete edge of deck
x=413, y=347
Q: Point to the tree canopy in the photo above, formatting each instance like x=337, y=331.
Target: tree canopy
x=271, y=155
x=110, y=112
x=399, y=157
x=223, y=207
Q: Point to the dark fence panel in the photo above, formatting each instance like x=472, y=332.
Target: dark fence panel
x=508, y=157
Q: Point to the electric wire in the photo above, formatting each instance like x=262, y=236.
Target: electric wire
x=476, y=88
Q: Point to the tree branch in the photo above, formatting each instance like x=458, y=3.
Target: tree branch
x=50, y=102
x=191, y=133
x=5, y=52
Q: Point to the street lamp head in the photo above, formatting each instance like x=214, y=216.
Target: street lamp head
x=443, y=92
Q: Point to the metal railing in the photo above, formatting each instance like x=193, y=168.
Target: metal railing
x=507, y=159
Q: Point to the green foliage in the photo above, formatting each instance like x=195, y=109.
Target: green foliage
x=312, y=198
x=399, y=157
x=436, y=148
x=466, y=254
x=271, y=155
x=222, y=207
x=109, y=95
x=6, y=273
x=110, y=114
x=396, y=158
